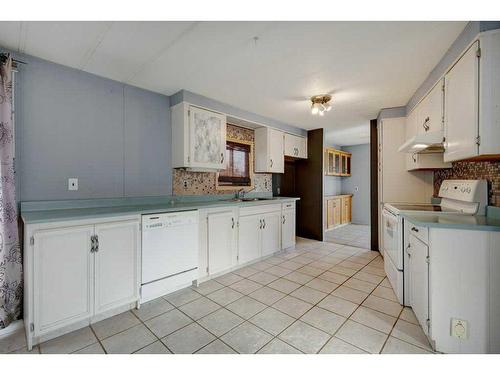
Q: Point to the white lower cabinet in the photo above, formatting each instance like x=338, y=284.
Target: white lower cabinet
x=116, y=266
x=249, y=238
x=62, y=278
x=271, y=230
x=221, y=241
x=259, y=232
x=74, y=273
x=419, y=280
x=288, y=225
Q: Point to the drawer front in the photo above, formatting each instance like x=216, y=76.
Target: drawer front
x=289, y=206
x=422, y=233
x=259, y=209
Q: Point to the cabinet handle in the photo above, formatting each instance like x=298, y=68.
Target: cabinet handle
x=232, y=223
x=92, y=243
x=264, y=223
x=221, y=157
x=96, y=243
x=414, y=157
x=414, y=229
x=408, y=250
x=271, y=162
x=425, y=125
x=260, y=225
x=284, y=219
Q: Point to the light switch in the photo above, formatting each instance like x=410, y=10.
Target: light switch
x=73, y=183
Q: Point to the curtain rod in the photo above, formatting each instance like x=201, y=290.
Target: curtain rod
x=3, y=58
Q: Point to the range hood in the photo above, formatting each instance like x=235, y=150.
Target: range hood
x=425, y=142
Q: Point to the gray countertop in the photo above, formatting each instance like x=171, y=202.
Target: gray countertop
x=51, y=211
x=452, y=221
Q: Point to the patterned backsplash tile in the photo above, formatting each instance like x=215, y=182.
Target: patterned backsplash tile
x=203, y=183
x=488, y=170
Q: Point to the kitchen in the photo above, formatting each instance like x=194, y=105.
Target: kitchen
x=175, y=216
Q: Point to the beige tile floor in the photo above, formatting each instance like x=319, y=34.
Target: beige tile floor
x=318, y=298
x=351, y=234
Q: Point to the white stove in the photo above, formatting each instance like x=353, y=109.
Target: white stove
x=462, y=197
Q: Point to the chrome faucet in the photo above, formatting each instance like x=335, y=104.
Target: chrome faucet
x=240, y=194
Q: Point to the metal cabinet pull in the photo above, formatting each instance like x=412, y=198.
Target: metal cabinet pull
x=260, y=225
x=271, y=161
x=264, y=223
x=96, y=249
x=232, y=223
x=414, y=229
x=425, y=125
x=284, y=219
x=92, y=243
x=221, y=157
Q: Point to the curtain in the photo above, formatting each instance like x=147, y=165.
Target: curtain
x=10, y=252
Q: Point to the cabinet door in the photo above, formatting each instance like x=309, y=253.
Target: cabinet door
x=116, y=264
x=288, y=229
x=431, y=115
x=346, y=209
x=419, y=280
x=330, y=213
x=293, y=146
x=348, y=165
x=330, y=163
x=249, y=238
x=221, y=241
x=271, y=233
x=461, y=107
x=207, y=133
x=62, y=281
x=337, y=164
x=276, y=151
x=337, y=211
x=302, y=147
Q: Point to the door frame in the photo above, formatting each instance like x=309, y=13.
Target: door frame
x=374, y=204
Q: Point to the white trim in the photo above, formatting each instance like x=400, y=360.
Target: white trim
x=12, y=328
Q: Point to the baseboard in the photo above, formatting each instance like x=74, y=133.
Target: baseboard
x=12, y=328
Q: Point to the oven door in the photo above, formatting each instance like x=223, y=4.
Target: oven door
x=391, y=238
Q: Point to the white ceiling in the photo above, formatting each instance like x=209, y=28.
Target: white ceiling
x=366, y=66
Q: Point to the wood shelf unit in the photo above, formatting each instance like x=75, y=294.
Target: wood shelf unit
x=337, y=163
x=338, y=210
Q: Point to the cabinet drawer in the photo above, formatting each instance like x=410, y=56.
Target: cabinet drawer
x=289, y=206
x=257, y=210
x=422, y=233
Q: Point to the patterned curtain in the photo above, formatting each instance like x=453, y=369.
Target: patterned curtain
x=10, y=253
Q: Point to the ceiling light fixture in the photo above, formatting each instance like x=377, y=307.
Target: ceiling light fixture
x=320, y=104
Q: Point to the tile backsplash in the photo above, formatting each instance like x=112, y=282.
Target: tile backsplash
x=488, y=170
x=201, y=183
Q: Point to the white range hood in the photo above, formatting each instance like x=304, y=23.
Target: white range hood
x=425, y=142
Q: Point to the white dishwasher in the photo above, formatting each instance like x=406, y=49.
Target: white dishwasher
x=169, y=252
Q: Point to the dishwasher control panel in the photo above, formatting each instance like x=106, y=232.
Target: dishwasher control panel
x=166, y=220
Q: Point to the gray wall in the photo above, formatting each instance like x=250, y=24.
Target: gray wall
x=116, y=139
x=360, y=178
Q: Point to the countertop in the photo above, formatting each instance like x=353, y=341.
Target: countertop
x=51, y=211
x=452, y=221
x=338, y=196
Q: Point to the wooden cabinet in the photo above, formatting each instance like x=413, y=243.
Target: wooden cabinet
x=116, y=264
x=269, y=151
x=295, y=146
x=288, y=225
x=337, y=163
x=418, y=269
x=222, y=247
x=346, y=209
x=78, y=273
x=198, y=138
x=338, y=210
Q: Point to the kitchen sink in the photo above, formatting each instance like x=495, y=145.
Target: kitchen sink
x=248, y=199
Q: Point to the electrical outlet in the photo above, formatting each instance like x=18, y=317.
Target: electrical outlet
x=356, y=188
x=459, y=328
x=185, y=184
x=73, y=183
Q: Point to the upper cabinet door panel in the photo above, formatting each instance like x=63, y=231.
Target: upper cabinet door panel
x=432, y=115
x=295, y=146
x=276, y=151
x=461, y=107
x=207, y=138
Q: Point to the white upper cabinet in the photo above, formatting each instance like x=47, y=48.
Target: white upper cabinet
x=269, y=151
x=295, y=146
x=198, y=138
x=461, y=107
x=430, y=114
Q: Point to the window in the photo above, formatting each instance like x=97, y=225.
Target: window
x=237, y=172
